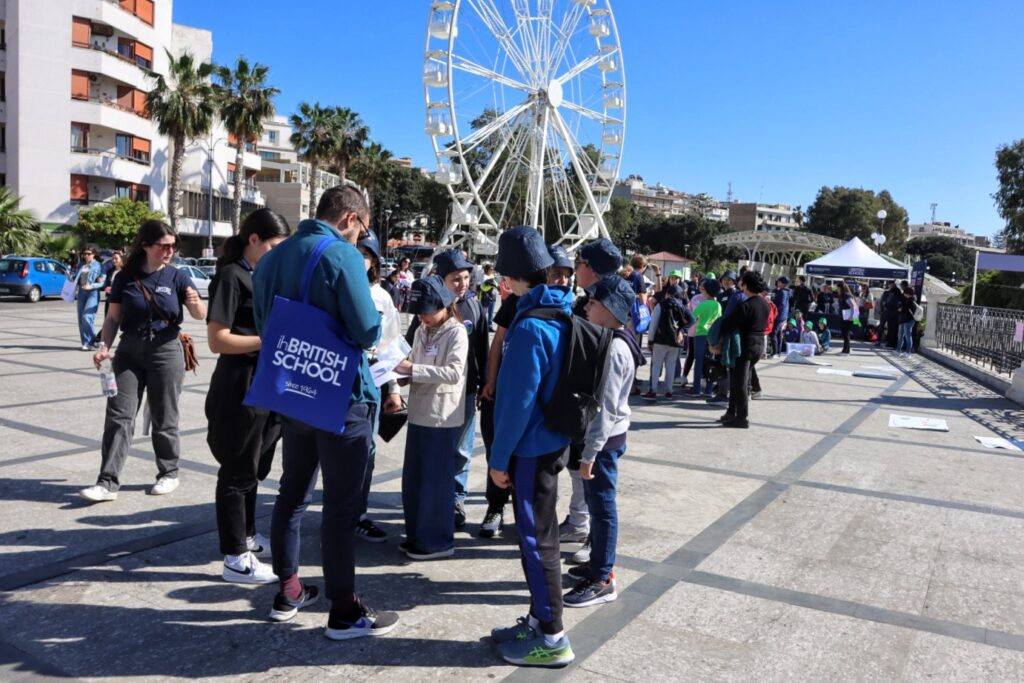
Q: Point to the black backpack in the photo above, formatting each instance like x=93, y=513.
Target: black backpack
x=574, y=404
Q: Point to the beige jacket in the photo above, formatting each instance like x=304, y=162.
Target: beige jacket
x=437, y=386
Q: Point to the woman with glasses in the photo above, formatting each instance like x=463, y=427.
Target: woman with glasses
x=88, y=283
x=147, y=304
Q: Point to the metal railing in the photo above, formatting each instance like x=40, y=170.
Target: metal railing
x=106, y=101
x=143, y=64
x=111, y=154
x=981, y=334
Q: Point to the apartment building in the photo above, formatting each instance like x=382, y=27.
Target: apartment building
x=73, y=127
x=664, y=201
x=744, y=216
x=946, y=229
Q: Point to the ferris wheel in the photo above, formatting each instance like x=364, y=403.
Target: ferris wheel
x=526, y=111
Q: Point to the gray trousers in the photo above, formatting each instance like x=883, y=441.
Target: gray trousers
x=158, y=369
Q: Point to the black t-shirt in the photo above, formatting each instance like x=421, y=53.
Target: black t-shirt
x=167, y=286
x=231, y=301
x=507, y=313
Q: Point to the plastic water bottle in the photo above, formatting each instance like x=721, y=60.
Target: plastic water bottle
x=108, y=383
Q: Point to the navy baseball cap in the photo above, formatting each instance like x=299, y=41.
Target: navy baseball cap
x=615, y=294
x=561, y=256
x=522, y=252
x=674, y=290
x=450, y=261
x=603, y=257
x=428, y=295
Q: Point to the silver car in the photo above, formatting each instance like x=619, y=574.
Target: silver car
x=208, y=266
x=201, y=280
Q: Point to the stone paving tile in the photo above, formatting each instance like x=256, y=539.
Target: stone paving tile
x=938, y=658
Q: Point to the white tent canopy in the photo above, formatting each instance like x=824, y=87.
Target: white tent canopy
x=855, y=259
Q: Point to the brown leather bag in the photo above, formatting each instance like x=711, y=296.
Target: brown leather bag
x=188, y=348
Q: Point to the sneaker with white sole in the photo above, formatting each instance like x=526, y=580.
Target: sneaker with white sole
x=370, y=623
x=567, y=533
x=536, y=651
x=581, y=556
x=590, y=592
x=98, y=494
x=414, y=553
x=163, y=486
x=492, y=524
x=247, y=569
x=368, y=531
x=285, y=608
x=258, y=545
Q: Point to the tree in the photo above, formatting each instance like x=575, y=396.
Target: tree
x=372, y=168
x=19, y=233
x=1009, y=197
x=945, y=256
x=315, y=140
x=689, y=235
x=245, y=103
x=59, y=245
x=619, y=221
x=845, y=213
x=115, y=224
x=183, y=106
x=350, y=136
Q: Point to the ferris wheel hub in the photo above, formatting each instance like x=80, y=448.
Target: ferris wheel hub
x=555, y=93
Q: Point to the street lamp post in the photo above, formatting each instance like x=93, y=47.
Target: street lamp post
x=387, y=230
x=879, y=237
x=210, y=146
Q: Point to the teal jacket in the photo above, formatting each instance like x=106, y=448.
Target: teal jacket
x=530, y=366
x=339, y=287
x=730, y=343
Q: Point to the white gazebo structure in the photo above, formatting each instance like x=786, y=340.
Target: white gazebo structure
x=855, y=259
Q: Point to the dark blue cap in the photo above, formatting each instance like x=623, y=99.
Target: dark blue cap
x=730, y=275
x=674, y=290
x=603, y=257
x=450, y=261
x=428, y=295
x=784, y=280
x=561, y=256
x=615, y=294
x=370, y=243
x=522, y=252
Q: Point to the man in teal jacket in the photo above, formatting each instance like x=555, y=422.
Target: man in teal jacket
x=339, y=287
x=526, y=454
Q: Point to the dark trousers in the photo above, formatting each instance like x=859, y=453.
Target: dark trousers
x=158, y=369
x=243, y=441
x=846, y=326
x=892, y=330
x=777, y=336
x=342, y=460
x=428, y=487
x=534, y=495
x=604, y=513
x=497, y=498
x=690, y=352
x=739, y=379
x=371, y=461
x=755, y=381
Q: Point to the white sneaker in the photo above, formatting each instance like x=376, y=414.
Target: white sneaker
x=98, y=494
x=163, y=486
x=258, y=545
x=248, y=570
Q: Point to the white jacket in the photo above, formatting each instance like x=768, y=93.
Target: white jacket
x=437, y=386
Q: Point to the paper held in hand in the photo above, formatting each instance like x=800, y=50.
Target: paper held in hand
x=388, y=358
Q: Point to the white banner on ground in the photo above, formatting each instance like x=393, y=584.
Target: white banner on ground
x=914, y=422
x=996, y=442
x=832, y=371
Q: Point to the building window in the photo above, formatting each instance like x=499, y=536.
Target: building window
x=269, y=156
x=79, y=85
x=141, y=149
x=197, y=205
x=143, y=55
x=79, y=189
x=123, y=145
x=272, y=136
x=3, y=87
x=81, y=32
x=3, y=37
x=133, y=191
x=79, y=137
x=143, y=9
x=231, y=172
x=3, y=138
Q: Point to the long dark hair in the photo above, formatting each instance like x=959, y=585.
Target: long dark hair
x=263, y=223
x=149, y=234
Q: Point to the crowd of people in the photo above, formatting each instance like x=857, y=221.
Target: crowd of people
x=481, y=351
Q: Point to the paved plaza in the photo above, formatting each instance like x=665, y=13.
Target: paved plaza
x=819, y=545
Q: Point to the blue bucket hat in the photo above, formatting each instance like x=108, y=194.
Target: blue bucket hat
x=522, y=252
x=371, y=244
x=730, y=275
x=615, y=294
x=561, y=257
x=450, y=261
x=603, y=257
x=428, y=295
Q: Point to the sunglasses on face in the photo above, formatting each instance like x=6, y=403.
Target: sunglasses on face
x=165, y=246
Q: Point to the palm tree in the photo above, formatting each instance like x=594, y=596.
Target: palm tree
x=373, y=167
x=245, y=103
x=315, y=139
x=19, y=233
x=183, y=105
x=352, y=134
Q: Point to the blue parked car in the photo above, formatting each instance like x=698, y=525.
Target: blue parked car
x=32, y=277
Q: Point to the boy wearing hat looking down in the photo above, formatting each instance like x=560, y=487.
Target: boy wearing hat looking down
x=611, y=301
x=526, y=454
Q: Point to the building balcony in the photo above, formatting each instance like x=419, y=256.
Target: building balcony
x=100, y=59
x=110, y=12
x=108, y=164
x=106, y=112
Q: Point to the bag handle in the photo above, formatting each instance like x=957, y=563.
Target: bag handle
x=149, y=301
x=311, y=262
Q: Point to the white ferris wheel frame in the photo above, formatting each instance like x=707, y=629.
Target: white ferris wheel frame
x=467, y=200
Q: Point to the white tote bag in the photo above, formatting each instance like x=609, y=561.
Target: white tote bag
x=67, y=291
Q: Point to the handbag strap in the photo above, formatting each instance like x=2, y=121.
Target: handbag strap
x=311, y=262
x=149, y=300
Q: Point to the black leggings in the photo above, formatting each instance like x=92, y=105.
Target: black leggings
x=690, y=357
x=847, y=325
x=497, y=498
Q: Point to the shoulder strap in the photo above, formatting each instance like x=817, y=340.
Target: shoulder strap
x=547, y=313
x=149, y=300
x=311, y=262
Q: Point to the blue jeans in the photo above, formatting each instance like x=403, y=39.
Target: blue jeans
x=428, y=477
x=700, y=347
x=906, y=334
x=464, y=449
x=342, y=460
x=88, y=302
x=604, y=514
x=490, y=313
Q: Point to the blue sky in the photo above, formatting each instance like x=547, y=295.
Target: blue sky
x=778, y=98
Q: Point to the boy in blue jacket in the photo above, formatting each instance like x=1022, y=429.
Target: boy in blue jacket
x=528, y=456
